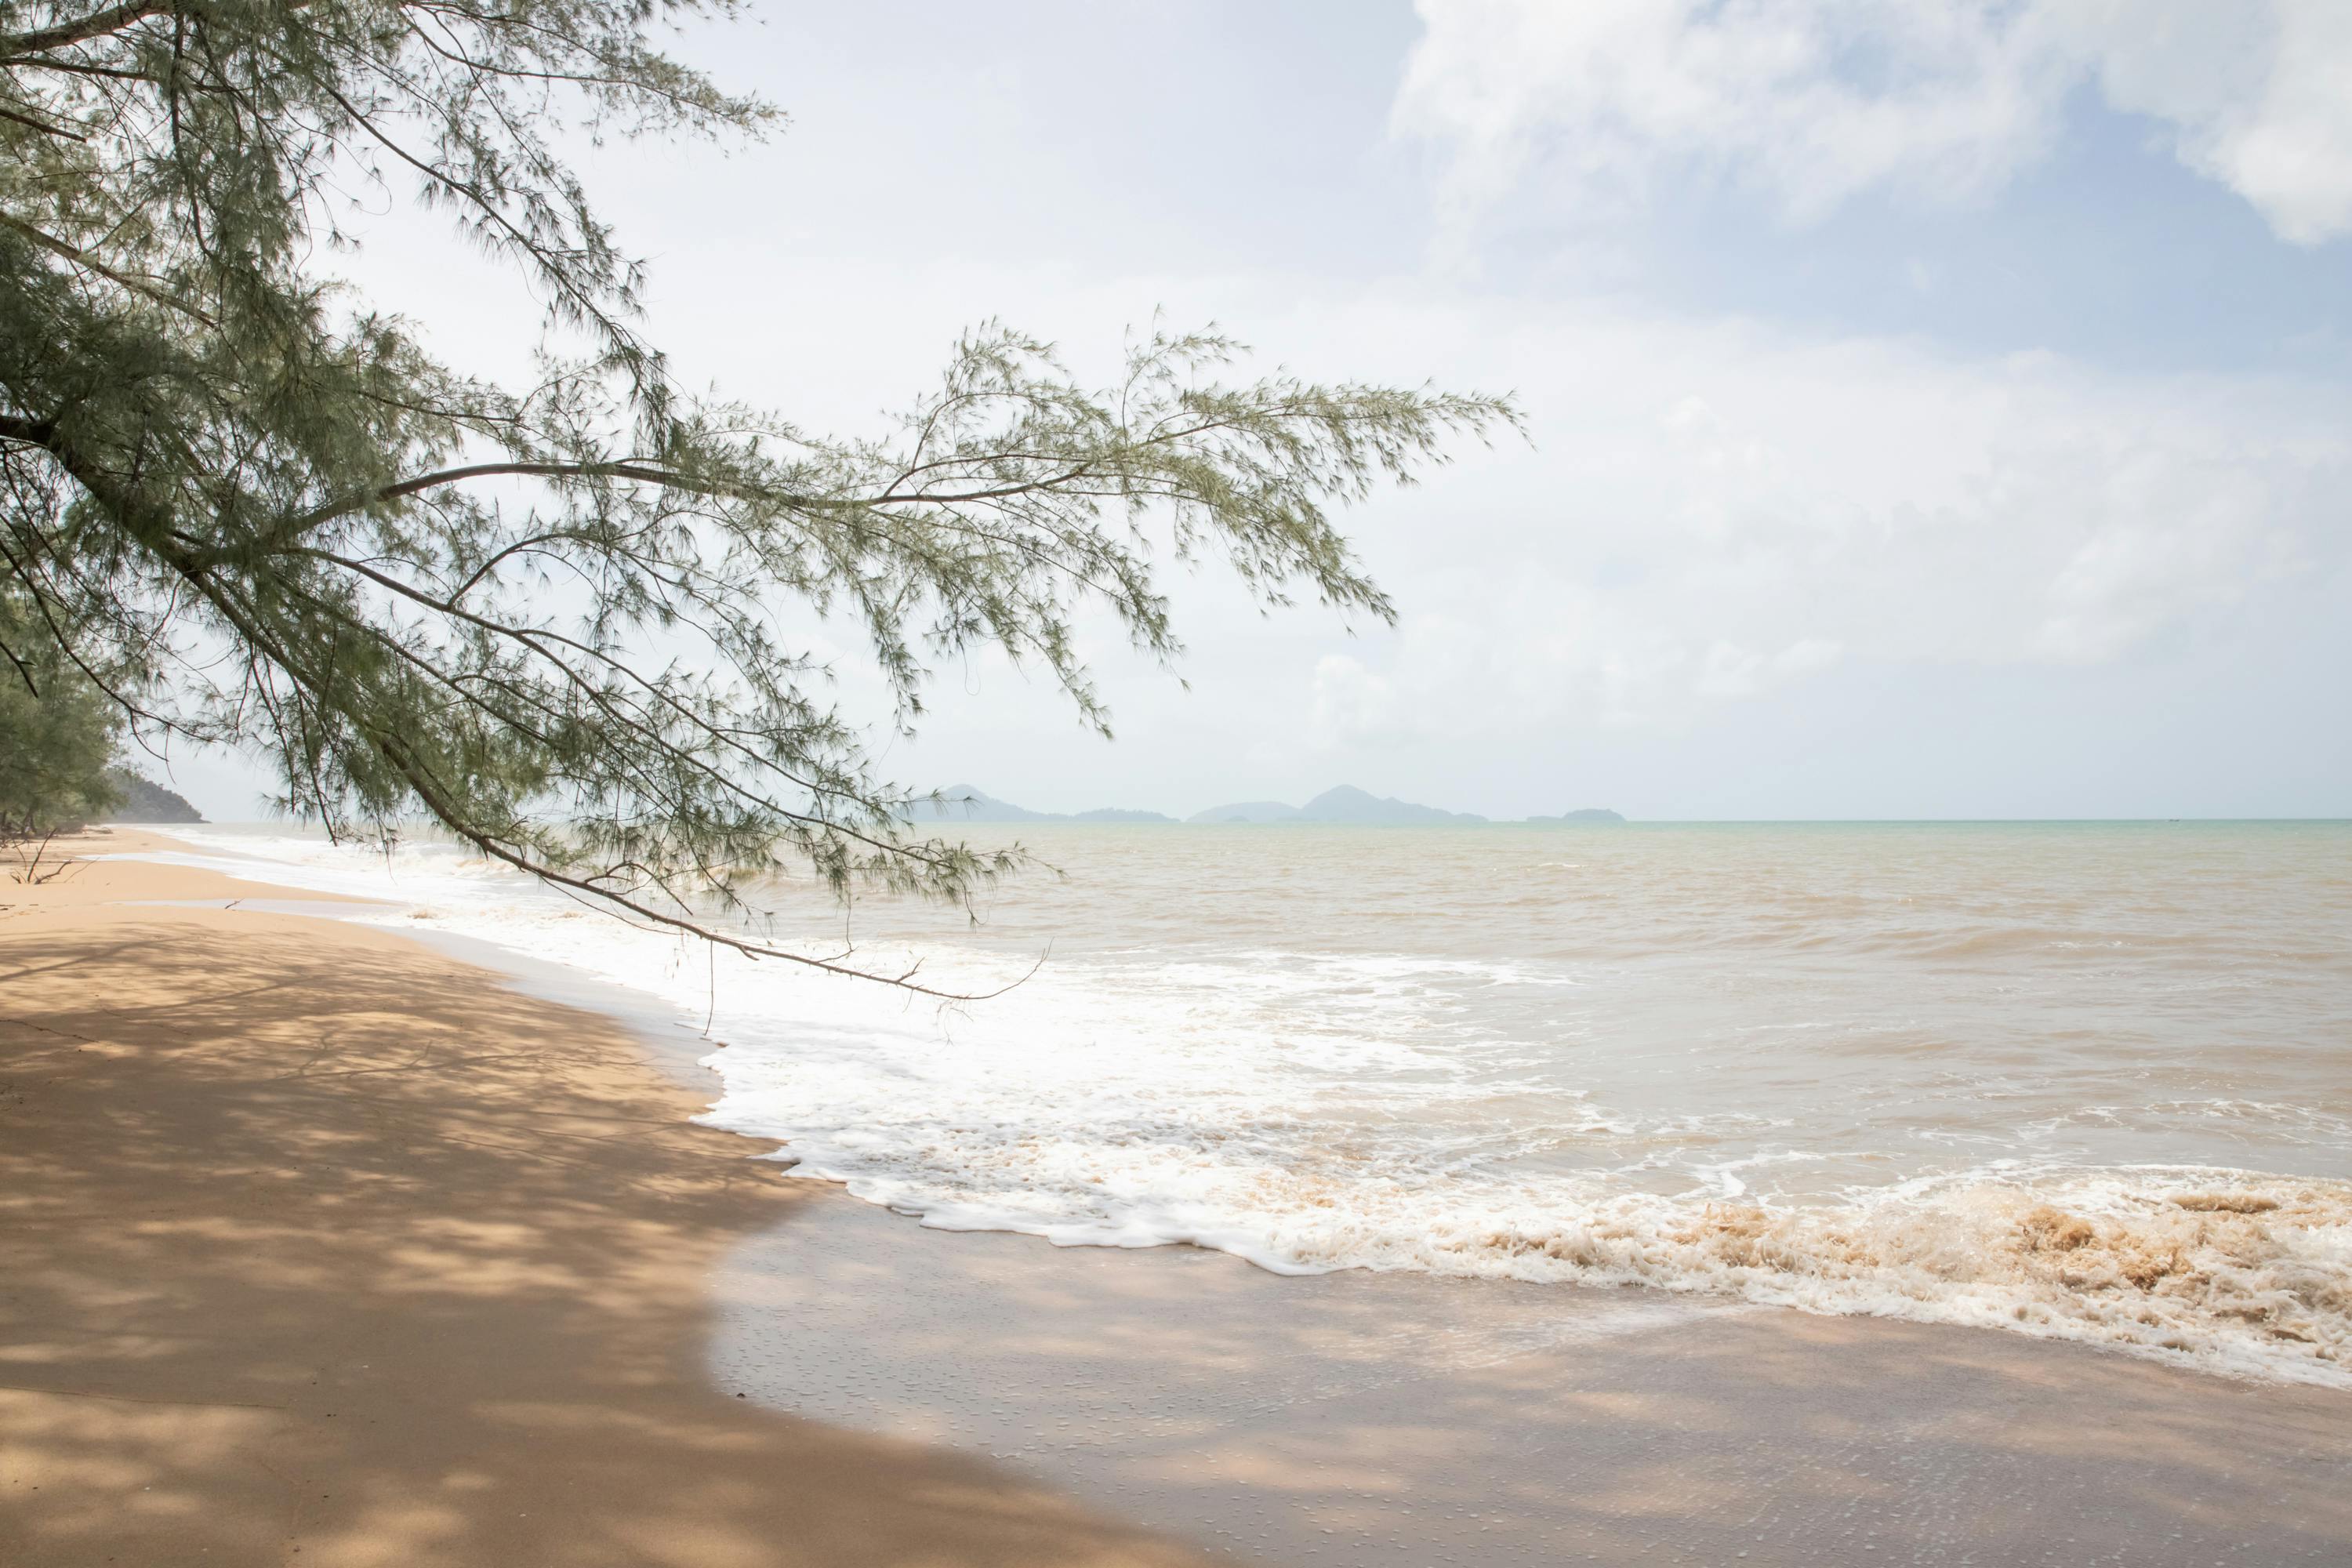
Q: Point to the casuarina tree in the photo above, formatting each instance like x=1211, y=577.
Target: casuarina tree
x=554, y=617
x=58, y=732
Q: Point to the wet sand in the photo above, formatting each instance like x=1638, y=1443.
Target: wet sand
x=325, y=1248
x=320, y=1248
x=1396, y=1419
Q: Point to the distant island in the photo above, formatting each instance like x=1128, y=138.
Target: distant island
x=1345, y=804
x=962, y=802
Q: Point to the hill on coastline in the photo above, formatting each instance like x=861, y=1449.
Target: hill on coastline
x=962, y=802
x=144, y=800
x=1346, y=804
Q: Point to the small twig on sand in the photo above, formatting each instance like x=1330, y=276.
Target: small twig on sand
x=28, y=871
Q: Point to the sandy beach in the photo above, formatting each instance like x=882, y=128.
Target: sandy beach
x=1457, y=784
x=321, y=1248
x=324, y=1245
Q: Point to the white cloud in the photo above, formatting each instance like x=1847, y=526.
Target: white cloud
x=1351, y=705
x=1809, y=102
x=2259, y=95
x=1730, y=671
x=1717, y=512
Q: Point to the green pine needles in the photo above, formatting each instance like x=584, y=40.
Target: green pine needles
x=554, y=617
x=56, y=738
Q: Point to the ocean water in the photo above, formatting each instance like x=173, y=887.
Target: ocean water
x=2091, y=1081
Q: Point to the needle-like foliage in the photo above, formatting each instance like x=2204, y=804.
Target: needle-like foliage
x=553, y=617
x=57, y=736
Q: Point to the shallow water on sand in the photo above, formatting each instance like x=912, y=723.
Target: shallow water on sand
x=1409, y=1421
x=2092, y=1081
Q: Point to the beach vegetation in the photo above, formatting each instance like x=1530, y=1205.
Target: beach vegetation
x=570, y=618
x=57, y=736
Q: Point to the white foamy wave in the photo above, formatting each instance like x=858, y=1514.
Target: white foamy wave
x=1316, y=1111
x=2231, y=1271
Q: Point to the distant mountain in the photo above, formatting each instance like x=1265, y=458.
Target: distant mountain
x=144, y=800
x=1346, y=804
x=1590, y=814
x=962, y=802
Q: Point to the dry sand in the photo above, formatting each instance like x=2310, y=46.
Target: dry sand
x=319, y=1248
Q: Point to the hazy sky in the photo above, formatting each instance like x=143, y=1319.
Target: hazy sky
x=1939, y=410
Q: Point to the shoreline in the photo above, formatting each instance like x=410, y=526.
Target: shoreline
x=2213, y=1252
x=327, y=1248
x=1355, y=1418
x=1399, y=1420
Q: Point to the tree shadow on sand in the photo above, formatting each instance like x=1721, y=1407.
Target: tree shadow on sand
x=322, y=1249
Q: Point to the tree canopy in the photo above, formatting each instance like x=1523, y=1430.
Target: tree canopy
x=557, y=619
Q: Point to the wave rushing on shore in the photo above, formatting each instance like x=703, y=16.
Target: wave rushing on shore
x=2250, y=1278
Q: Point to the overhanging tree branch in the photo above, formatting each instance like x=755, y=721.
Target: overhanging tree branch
x=567, y=623
x=80, y=30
